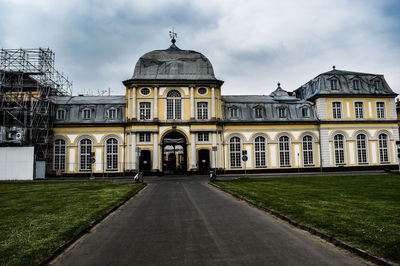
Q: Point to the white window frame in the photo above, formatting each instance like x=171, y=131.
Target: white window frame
x=145, y=95
x=111, y=155
x=284, y=155
x=112, y=110
x=60, y=117
x=308, y=152
x=380, y=111
x=235, y=155
x=260, y=155
x=334, y=112
x=85, y=156
x=356, y=84
x=377, y=83
x=202, y=113
x=86, y=111
x=176, y=115
x=334, y=84
x=150, y=109
x=201, y=137
x=282, y=112
x=234, y=112
x=144, y=137
x=341, y=151
x=384, y=149
x=359, y=113
x=258, y=112
x=60, y=157
x=202, y=94
x=362, y=149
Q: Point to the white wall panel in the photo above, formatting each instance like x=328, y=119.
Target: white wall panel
x=16, y=163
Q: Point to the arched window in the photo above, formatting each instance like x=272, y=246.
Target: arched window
x=362, y=149
x=383, y=148
x=174, y=108
x=112, y=155
x=59, y=155
x=234, y=152
x=85, y=151
x=338, y=145
x=259, y=149
x=284, y=151
x=308, y=150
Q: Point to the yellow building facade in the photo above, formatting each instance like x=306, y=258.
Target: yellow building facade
x=174, y=119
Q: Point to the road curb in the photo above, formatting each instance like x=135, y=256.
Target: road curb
x=359, y=252
x=67, y=244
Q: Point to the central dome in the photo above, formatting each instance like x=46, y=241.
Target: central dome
x=174, y=63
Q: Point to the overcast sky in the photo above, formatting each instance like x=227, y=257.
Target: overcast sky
x=251, y=44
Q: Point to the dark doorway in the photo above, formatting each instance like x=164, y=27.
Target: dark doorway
x=204, y=160
x=145, y=160
x=174, y=153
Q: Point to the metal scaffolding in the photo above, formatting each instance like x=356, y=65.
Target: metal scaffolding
x=28, y=86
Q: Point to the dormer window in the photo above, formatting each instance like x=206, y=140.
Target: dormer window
x=112, y=114
x=60, y=114
x=234, y=112
x=356, y=84
x=377, y=84
x=87, y=114
x=305, y=112
x=334, y=84
x=282, y=112
x=258, y=112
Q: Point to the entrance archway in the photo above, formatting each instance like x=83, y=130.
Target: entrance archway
x=174, y=153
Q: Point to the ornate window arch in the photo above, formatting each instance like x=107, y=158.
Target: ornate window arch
x=362, y=148
x=60, y=154
x=339, y=142
x=174, y=105
x=308, y=150
x=284, y=144
x=112, y=154
x=85, y=150
x=260, y=152
x=383, y=148
x=235, y=152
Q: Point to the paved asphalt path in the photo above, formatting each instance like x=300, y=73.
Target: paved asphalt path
x=185, y=221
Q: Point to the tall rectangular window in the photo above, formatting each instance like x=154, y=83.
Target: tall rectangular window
x=258, y=112
x=202, y=110
x=60, y=114
x=334, y=84
x=259, y=150
x=356, y=84
x=87, y=114
x=380, y=110
x=235, y=152
x=284, y=151
x=144, y=111
x=234, y=112
x=308, y=158
x=359, y=109
x=112, y=114
x=337, y=110
x=338, y=146
x=59, y=155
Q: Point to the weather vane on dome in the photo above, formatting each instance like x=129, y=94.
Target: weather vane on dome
x=173, y=36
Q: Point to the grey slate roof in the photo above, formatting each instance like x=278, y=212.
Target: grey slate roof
x=90, y=99
x=174, y=63
x=321, y=84
x=270, y=105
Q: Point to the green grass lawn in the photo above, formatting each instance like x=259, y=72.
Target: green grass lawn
x=38, y=217
x=360, y=210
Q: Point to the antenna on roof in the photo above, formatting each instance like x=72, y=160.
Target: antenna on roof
x=173, y=35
